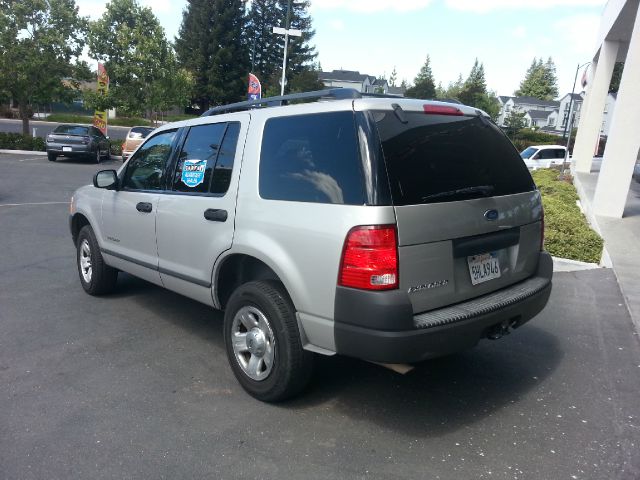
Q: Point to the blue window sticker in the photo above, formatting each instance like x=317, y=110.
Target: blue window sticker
x=193, y=172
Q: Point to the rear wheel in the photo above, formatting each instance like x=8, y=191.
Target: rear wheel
x=96, y=157
x=96, y=277
x=51, y=156
x=263, y=342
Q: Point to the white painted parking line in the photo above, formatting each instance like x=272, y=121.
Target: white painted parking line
x=35, y=203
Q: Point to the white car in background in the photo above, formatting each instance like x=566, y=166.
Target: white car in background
x=543, y=156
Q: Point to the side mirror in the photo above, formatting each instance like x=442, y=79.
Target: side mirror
x=106, y=179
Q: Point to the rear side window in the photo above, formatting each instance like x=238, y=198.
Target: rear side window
x=441, y=158
x=311, y=158
x=206, y=159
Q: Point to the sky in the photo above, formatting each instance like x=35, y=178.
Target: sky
x=376, y=36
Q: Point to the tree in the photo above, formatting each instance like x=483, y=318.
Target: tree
x=514, y=122
x=616, y=77
x=475, y=86
x=134, y=58
x=301, y=53
x=423, y=85
x=265, y=46
x=540, y=81
x=211, y=45
x=394, y=77
x=40, y=42
x=172, y=88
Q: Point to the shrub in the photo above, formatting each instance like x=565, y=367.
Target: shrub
x=116, y=148
x=17, y=141
x=526, y=137
x=567, y=233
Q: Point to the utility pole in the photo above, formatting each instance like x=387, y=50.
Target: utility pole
x=287, y=32
x=571, y=115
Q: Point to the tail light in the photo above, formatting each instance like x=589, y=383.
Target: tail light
x=370, y=258
x=85, y=140
x=542, y=231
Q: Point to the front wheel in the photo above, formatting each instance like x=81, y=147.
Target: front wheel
x=96, y=157
x=96, y=277
x=263, y=342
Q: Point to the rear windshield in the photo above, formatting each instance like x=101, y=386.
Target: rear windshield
x=72, y=130
x=441, y=158
x=140, y=132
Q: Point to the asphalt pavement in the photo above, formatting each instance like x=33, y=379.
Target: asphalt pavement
x=136, y=384
x=42, y=129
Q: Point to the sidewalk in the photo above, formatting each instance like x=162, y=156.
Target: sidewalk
x=621, y=236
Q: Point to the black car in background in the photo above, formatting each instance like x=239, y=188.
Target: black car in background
x=77, y=141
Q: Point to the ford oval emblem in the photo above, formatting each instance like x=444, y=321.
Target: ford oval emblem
x=491, y=215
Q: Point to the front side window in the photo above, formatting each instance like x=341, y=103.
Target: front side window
x=146, y=168
x=206, y=159
x=312, y=158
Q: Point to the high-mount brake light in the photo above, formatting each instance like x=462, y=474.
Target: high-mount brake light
x=370, y=258
x=442, y=110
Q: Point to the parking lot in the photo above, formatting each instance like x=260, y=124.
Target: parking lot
x=137, y=385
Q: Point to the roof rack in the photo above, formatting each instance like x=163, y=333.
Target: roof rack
x=328, y=94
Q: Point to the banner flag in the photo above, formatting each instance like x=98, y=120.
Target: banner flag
x=100, y=117
x=255, y=89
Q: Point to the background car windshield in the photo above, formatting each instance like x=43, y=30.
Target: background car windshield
x=72, y=130
x=140, y=132
x=442, y=158
x=528, y=152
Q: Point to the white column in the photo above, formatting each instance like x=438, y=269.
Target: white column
x=591, y=121
x=623, y=143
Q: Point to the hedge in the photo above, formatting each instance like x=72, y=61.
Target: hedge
x=116, y=122
x=17, y=141
x=567, y=232
x=526, y=137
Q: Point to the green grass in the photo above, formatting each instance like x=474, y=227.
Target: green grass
x=567, y=232
x=116, y=122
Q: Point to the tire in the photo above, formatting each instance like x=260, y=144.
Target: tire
x=51, y=156
x=260, y=327
x=107, y=155
x=96, y=277
x=96, y=158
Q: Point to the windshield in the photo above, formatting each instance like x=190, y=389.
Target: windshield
x=444, y=158
x=528, y=152
x=72, y=130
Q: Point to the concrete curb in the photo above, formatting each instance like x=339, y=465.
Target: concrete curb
x=568, y=265
x=23, y=152
x=29, y=152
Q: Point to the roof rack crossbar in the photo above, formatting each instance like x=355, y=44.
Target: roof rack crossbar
x=333, y=94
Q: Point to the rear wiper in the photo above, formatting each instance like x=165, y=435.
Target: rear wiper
x=484, y=190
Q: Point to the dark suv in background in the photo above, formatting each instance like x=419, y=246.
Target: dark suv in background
x=77, y=141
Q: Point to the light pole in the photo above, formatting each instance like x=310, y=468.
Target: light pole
x=287, y=32
x=570, y=117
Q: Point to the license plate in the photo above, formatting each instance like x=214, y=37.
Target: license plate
x=66, y=149
x=483, y=268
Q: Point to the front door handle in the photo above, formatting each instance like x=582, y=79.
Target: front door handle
x=144, y=207
x=215, y=215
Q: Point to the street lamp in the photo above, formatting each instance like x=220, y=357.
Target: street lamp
x=571, y=115
x=287, y=32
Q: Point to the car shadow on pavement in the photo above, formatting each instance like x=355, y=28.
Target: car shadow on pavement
x=439, y=395
x=194, y=317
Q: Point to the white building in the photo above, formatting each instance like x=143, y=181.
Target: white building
x=525, y=105
x=618, y=41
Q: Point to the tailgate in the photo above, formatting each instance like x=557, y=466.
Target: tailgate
x=467, y=211
x=437, y=243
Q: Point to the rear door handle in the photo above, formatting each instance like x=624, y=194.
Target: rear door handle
x=144, y=207
x=214, y=215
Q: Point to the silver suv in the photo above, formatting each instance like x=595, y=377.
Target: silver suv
x=391, y=230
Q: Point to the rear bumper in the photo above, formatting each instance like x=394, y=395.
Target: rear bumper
x=58, y=149
x=443, y=331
